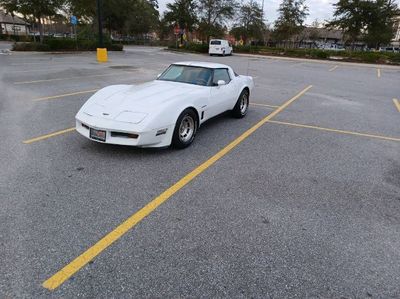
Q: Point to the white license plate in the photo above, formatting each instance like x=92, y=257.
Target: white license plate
x=98, y=134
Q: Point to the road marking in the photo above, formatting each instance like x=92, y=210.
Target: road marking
x=335, y=130
x=43, y=137
x=378, y=72
x=67, y=78
x=397, y=104
x=64, y=95
x=264, y=105
x=70, y=269
x=334, y=68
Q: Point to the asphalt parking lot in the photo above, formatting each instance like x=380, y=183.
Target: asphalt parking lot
x=304, y=204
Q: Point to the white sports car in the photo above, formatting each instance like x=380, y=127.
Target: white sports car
x=166, y=111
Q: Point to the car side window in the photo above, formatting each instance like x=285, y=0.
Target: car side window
x=221, y=74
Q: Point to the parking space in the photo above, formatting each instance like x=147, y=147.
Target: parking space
x=300, y=198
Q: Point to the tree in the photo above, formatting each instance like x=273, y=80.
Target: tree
x=125, y=16
x=213, y=16
x=380, y=18
x=181, y=13
x=250, y=22
x=39, y=9
x=292, y=14
x=369, y=20
x=349, y=15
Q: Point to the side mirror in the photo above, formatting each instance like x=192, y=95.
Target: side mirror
x=221, y=82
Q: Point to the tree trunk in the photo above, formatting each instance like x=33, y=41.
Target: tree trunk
x=41, y=30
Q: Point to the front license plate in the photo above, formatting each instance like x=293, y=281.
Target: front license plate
x=98, y=134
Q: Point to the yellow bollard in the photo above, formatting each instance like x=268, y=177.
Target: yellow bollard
x=102, y=55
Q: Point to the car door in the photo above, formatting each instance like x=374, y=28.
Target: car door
x=221, y=97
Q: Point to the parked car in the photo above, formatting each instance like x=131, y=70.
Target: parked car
x=220, y=47
x=168, y=110
x=389, y=49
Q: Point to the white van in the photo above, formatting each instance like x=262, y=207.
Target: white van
x=220, y=47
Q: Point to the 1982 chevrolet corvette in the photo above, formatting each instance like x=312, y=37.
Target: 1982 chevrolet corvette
x=166, y=111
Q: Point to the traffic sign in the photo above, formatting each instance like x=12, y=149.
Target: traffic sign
x=74, y=20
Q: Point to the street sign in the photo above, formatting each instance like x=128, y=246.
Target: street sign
x=74, y=20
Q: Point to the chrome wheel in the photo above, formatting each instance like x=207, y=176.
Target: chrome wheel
x=186, y=128
x=244, y=104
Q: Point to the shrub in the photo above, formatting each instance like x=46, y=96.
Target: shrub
x=30, y=47
x=16, y=38
x=65, y=44
x=201, y=48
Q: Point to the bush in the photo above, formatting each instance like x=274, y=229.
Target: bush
x=30, y=47
x=190, y=47
x=16, y=38
x=65, y=44
x=352, y=56
x=201, y=48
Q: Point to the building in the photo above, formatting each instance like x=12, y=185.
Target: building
x=12, y=25
x=396, y=39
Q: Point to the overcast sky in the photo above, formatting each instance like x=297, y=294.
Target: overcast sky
x=318, y=9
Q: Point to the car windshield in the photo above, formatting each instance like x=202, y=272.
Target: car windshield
x=215, y=42
x=187, y=74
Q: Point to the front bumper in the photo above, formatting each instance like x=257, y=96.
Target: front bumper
x=145, y=138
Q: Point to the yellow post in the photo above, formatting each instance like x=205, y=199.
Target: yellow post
x=102, y=55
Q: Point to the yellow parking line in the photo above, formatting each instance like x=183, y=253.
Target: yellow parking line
x=67, y=78
x=397, y=104
x=264, y=105
x=335, y=130
x=64, y=95
x=378, y=72
x=48, y=135
x=70, y=269
x=334, y=68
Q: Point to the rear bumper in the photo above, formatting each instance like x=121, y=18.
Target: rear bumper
x=218, y=52
x=145, y=138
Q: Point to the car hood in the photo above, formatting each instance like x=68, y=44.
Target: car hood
x=132, y=103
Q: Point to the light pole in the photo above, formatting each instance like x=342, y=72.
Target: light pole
x=100, y=23
x=101, y=51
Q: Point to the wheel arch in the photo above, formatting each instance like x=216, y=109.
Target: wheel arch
x=245, y=87
x=195, y=111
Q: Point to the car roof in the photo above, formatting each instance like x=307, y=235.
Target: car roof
x=203, y=64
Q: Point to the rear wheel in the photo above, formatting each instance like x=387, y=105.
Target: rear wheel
x=242, y=105
x=185, y=129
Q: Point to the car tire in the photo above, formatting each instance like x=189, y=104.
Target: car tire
x=223, y=54
x=185, y=129
x=242, y=105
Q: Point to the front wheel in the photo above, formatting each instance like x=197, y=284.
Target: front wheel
x=185, y=129
x=242, y=105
